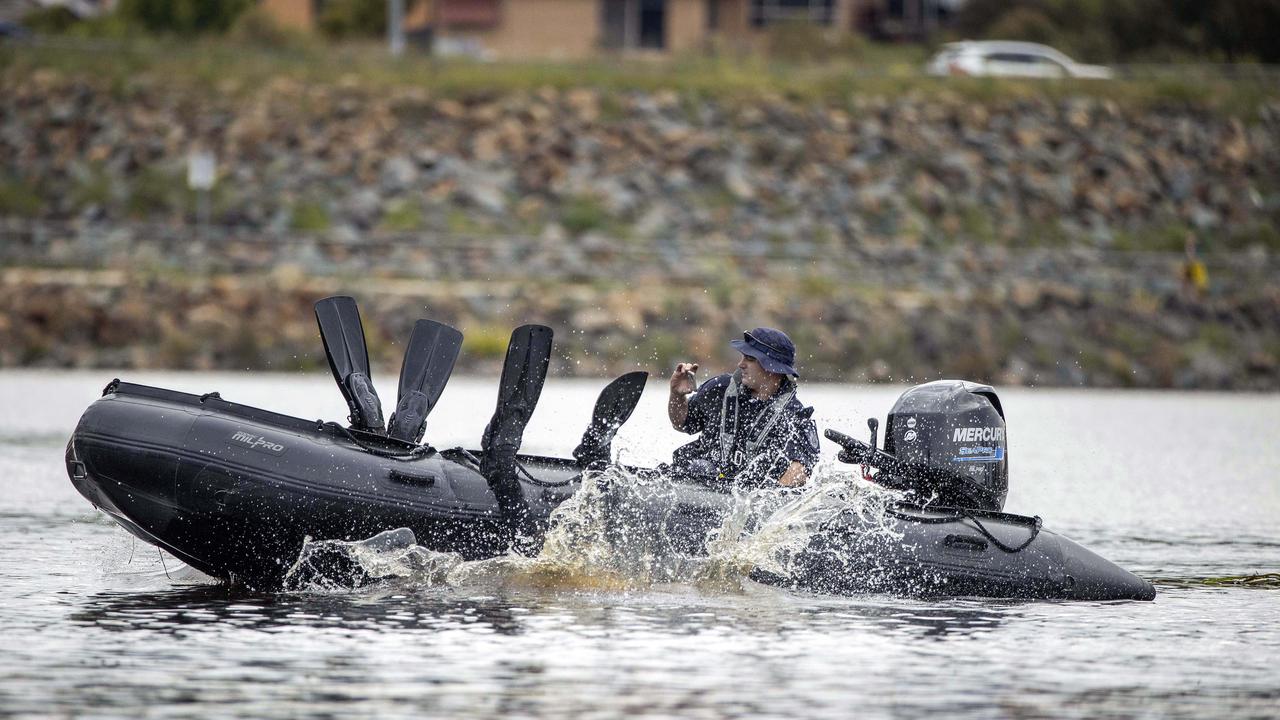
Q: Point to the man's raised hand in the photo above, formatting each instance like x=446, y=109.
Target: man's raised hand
x=682, y=380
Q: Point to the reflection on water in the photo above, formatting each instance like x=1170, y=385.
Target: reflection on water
x=220, y=607
x=479, y=649
x=394, y=607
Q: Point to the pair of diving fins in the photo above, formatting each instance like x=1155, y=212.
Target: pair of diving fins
x=428, y=362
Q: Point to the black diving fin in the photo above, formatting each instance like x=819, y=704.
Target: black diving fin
x=428, y=362
x=343, y=337
x=614, y=406
x=523, y=374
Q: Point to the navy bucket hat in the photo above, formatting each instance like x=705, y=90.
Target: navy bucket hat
x=772, y=348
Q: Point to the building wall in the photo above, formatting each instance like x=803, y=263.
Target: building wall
x=300, y=14
x=686, y=25
x=291, y=13
x=737, y=33
x=845, y=10
x=734, y=18
x=418, y=16
x=570, y=29
x=545, y=29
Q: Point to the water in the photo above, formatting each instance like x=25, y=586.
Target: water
x=1176, y=487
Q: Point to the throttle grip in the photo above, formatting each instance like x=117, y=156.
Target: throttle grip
x=855, y=451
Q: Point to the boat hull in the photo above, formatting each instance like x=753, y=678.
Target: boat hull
x=236, y=491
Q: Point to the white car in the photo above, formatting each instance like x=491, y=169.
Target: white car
x=1008, y=58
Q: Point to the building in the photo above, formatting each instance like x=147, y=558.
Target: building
x=305, y=14
x=568, y=29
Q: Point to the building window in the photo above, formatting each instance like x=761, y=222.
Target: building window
x=653, y=24
x=627, y=24
x=772, y=12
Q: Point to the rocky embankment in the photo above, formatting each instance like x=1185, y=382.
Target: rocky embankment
x=1032, y=241
x=556, y=164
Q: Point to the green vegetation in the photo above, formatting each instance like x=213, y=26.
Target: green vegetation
x=1215, y=337
x=714, y=198
x=1166, y=238
x=1266, y=234
x=458, y=221
x=1266, y=581
x=93, y=187
x=19, y=198
x=802, y=41
x=182, y=17
x=155, y=192
x=1133, y=30
x=235, y=44
x=486, y=341
x=223, y=65
x=583, y=214
x=50, y=20
x=355, y=18
x=402, y=216
x=351, y=18
x=309, y=216
x=256, y=27
x=1096, y=30
x=663, y=349
x=240, y=19
x=1043, y=233
x=1133, y=339
x=816, y=287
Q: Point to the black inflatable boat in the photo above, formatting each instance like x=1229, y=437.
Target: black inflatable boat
x=234, y=490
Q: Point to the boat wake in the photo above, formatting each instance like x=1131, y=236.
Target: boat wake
x=618, y=532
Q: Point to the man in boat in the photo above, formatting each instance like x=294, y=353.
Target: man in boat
x=754, y=431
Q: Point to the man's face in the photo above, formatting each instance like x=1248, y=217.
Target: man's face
x=754, y=377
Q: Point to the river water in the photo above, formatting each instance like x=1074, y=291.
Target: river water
x=1180, y=488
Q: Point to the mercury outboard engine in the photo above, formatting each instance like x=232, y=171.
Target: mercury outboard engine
x=954, y=425
x=945, y=441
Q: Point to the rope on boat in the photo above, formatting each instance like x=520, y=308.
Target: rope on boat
x=413, y=453
x=1035, y=525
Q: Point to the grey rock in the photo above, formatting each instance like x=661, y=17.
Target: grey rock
x=1208, y=369
x=364, y=206
x=398, y=173
x=738, y=182
x=655, y=221
x=617, y=197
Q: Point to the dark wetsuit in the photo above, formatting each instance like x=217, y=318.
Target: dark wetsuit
x=762, y=447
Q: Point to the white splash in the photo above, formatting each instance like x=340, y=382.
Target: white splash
x=767, y=529
x=624, y=530
x=328, y=565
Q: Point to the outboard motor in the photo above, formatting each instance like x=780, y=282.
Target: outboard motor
x=956, y=428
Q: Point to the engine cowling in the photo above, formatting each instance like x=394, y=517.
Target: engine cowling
x=954, y=426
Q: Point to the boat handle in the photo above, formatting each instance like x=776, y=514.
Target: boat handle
x=965, y=542
x=405, y=478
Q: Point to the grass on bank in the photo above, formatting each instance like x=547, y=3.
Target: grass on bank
x=225, y=66
x=1264, y=581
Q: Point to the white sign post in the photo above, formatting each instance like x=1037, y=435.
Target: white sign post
x=202, y=173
